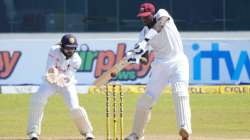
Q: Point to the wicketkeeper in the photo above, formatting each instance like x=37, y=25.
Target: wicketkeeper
x=170, y=66
x=62, y=63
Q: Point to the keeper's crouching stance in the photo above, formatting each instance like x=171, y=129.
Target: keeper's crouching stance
x=170, y=66
x=62, y=64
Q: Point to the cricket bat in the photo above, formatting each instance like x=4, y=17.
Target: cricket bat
x=108, y=75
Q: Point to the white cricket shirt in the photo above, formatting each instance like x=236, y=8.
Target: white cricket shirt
x=66, y=66
x=167, y=44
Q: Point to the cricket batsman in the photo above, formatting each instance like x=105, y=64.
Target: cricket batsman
x=62, y=63
x=170, y=66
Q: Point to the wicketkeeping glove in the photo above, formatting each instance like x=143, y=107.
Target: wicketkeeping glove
x=61, y=80
x=64, y=81
x=52, y=75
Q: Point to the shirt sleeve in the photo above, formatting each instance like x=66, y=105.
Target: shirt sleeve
x=76, y=63
x=51, y=60
x=161, y=13
x=143, y=33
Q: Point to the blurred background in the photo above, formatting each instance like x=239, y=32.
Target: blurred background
x=119, y=15
x=29, y=28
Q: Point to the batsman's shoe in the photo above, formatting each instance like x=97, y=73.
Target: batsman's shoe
x=89, y=136
x=133, y=136
x=184, y=134
x=33, y=136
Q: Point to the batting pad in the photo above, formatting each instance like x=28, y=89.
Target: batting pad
x=182, y=106
x=81, y=120
x=35, y=117
x=142, y=114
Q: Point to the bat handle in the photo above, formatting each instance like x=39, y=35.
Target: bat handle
x=143, y=60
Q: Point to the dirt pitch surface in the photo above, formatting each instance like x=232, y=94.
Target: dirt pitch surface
x=147, y=137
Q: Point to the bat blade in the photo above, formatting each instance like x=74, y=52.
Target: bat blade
x=107, y=76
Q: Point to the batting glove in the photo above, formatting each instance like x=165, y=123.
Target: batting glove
x=133, y=58
x=140, y=48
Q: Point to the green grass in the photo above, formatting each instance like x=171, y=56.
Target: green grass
x=212, y=115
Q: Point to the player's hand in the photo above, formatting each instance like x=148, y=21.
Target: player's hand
x=140, y=48
x=133, y=58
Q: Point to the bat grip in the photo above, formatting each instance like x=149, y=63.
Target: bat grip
x=143, y=60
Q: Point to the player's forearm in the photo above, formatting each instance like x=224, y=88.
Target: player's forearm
x=159, y=25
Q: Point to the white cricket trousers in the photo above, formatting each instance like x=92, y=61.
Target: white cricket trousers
x=177, y=74
x=162, y=73
x=40, y=99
